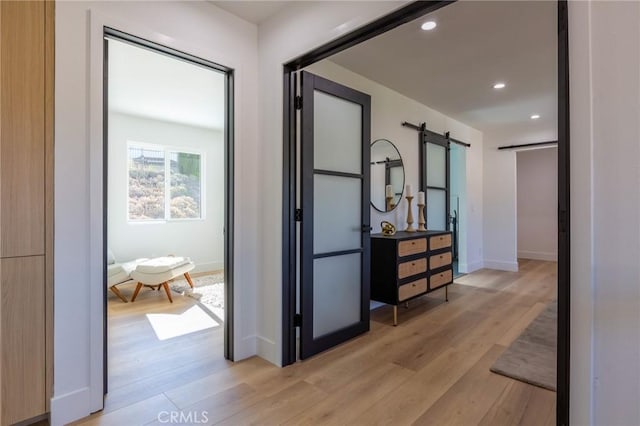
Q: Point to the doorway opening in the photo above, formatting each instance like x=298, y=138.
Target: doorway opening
x=537, y=195
x=168, y=217
x=559, y=98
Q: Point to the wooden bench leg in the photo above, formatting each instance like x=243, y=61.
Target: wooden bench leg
x=188, y=277
x=167, y=290
x=135, y=293
x=117, y=293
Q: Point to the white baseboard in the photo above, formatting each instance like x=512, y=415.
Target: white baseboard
x=467, y=268
x=244, y=348
x=268, y=350
x=538, y=255
x=208, y=267
x=70, y=407
x=501, y=265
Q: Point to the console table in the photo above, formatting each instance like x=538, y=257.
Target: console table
x=408, y=265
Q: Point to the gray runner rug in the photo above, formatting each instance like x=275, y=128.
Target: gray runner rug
x=531, y=358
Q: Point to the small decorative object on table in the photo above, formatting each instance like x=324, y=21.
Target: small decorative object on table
x=409, y=197
x=388, y=228
x=421, y=221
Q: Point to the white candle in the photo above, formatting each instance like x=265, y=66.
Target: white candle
x=421, y=197
x=408, y=191
x=389, y=191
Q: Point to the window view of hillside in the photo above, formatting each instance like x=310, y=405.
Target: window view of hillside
x=154, y=197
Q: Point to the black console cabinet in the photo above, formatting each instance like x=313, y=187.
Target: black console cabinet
x=408, y=265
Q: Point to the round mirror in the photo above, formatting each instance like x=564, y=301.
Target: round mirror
x=387, y=175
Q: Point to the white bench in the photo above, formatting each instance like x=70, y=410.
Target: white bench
x=155, y=273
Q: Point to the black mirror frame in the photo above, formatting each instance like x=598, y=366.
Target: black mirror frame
x=404, y=175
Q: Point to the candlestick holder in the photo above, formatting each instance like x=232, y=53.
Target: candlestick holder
x=421, y=221
x=390, y=204
x=410, y=227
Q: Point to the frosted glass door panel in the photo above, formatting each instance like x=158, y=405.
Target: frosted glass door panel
x=337, y=134
x=337, y=213
x=336, y=293
x=436, y=165
x=436, y=210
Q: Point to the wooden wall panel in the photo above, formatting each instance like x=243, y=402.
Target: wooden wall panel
x=22, y=150
x=22, y=348
x=26, y=208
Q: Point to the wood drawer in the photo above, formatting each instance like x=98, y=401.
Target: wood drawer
x=440, y=279
x=415, y=246
x=439, y=260
x=412, y=289
x=412, y=267
x=440, y=241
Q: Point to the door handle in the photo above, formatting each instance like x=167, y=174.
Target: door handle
x=366, y=228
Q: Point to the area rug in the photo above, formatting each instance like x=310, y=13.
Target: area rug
x=531, y=358
x=208, y=291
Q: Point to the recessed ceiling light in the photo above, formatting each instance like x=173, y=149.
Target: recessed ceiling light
x=429, y=25
x=535, y=116
x=499, y=86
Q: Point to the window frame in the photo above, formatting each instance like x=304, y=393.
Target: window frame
x=167, y=150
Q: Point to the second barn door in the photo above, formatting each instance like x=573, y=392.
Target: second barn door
x=435, y=179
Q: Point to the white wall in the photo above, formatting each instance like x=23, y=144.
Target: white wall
x=202, y=239
x=198, y=28
x=537, y=187
x=605, y=212
x=615, y=178
x=499, y=201
x=582, y=262
x=388, y=110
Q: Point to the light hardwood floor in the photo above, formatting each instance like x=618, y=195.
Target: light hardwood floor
x=431, y=369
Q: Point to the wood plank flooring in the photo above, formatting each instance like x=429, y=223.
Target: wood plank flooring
x=433, y=368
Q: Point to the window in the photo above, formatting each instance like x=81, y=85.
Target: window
x=164, y=184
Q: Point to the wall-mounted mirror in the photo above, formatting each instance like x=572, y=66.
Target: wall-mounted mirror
x=387, y=175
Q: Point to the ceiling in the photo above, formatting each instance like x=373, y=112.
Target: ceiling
x=158, y=86
x=252, y=11
x=453, y=67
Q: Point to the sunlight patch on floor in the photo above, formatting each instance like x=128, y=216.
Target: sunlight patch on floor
x=167, y=326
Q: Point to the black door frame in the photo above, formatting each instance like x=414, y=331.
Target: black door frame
x=113, y=34
x=309, y=345
x=379, y=26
